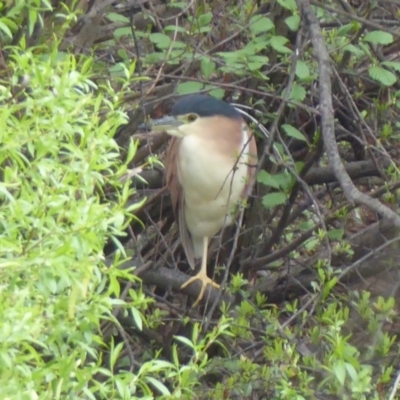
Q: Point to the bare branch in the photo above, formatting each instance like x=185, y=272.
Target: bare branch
x=168, y=279
x=327, y=120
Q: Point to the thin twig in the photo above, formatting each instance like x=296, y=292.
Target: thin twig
x=395, y=386
x=352, y=16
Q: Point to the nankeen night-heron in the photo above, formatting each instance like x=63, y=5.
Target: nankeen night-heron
x=209, y=164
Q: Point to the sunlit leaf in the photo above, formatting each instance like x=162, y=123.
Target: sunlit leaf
x=161, y=40
x=382, y=75
x=272, y=200
x=207, y=67
x=278, y=44
x=260, y=24
x=185, y=341
x=189, y=87
x=115, y=17
x=137, y=318
x=293, y=22
x=392, y=64
x=294, y=133
x=158, y=385
x=339, y=369
x=302, y=70
x=267, y=179
x=288, y=4
x=298, y=92
x=205, y=19
x=378, y=37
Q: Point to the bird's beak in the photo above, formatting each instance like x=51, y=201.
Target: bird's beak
x=161, y=124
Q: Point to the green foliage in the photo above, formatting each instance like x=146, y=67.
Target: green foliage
x=177, y=44
x=57, y=156
x=63, y=196
x=294, y=133
x=298, y=93
x=293, y=22
x=378, y=70
x=302, y=70
x=189, y=87
x=382, y=75
x=288, y=4
x=378, y=37
x=19, y=13
x=287, y=369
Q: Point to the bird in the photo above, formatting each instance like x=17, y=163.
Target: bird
x=209, y=164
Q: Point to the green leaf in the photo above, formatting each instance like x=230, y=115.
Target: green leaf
x=328, y=286
x=136, y=206
x=185, y=340
x=382, y=75
x=161, y=40
x=267, y=179
x=189, y=87
x=352, y=372
x=254, y=63
x=158, y=385
x=205, y=19
x=278, y=44
x=288, y=4
x=260, y=24
x=254, y=66
x=124, y=31
x=5, y=29
x=353, y=49
x=5, y=194
x=217, y=92
x=345, y=29
x=8, y=26
x=293, y=22
x=284, y=179
x=205, y=29
x=179, y=4
x=137, y=318
x=123, y=54
x=298, y=92
x=274, y=199
x=378, y=37
x=261, y=59
x=207, y=67
x=392, y=64
x=294, y=133
x=302, y=70
x=178, y=45
x=299, y=165
x=339, y=369
x=114, y=354
x=336, y=234
x=114, y=17
x=118, y=70
x=174, y=28
x=33, y=17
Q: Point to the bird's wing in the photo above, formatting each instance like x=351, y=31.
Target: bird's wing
x=177, y=197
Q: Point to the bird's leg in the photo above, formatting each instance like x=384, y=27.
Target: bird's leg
x=202, y=275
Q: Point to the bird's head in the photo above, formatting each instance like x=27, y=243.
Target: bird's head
x=192, y=114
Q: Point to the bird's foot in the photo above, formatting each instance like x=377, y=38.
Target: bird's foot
x=204, y=281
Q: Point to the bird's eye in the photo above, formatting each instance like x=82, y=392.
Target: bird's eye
x=191, y=117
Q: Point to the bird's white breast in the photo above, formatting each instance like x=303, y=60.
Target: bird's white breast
x=213, y=184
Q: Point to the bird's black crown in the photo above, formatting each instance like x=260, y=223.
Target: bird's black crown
x=204, y=106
